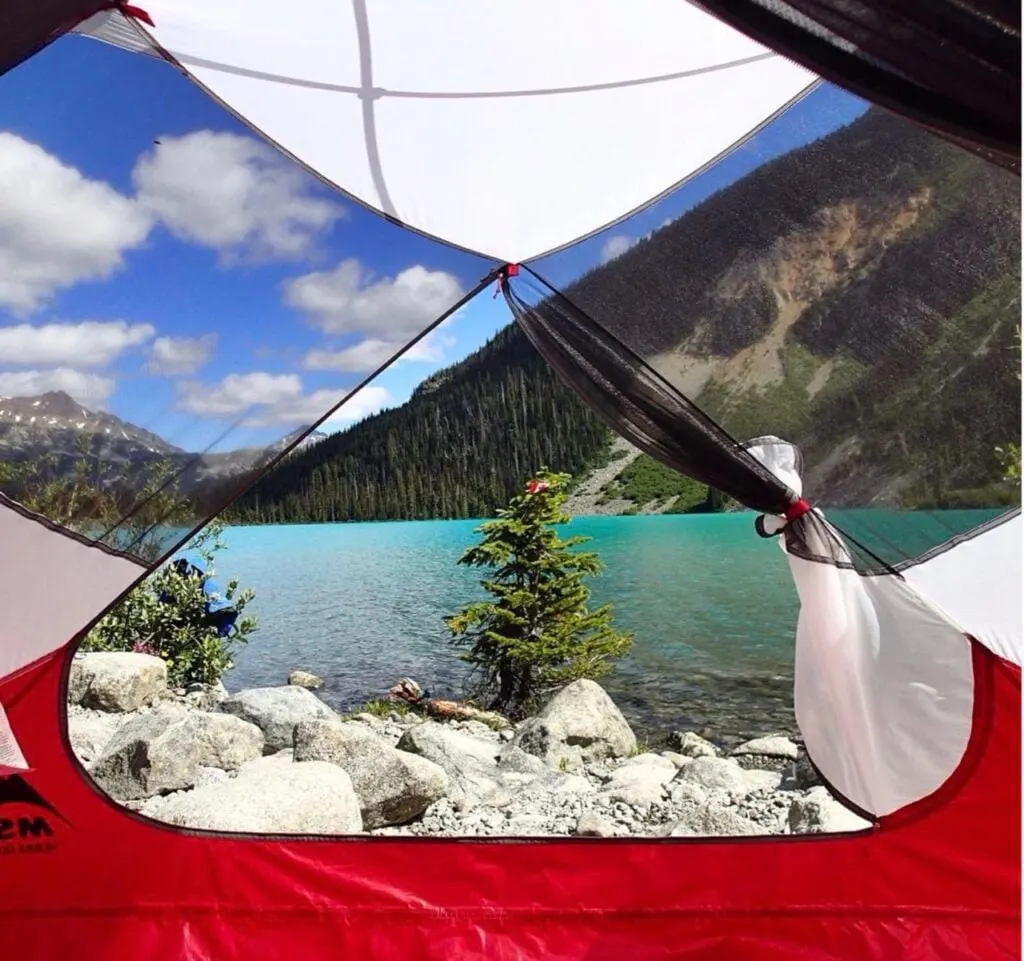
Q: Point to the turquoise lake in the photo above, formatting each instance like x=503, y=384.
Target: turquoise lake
x=712, y=607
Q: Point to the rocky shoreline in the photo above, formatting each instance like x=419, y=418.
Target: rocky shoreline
x=279, y=760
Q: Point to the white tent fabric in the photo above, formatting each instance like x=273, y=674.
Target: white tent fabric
x=978, y=584
x=883, y=685
x=883, y=679
x=509, y=131
x=51, y=584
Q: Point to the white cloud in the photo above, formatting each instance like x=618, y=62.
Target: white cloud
x=56, y=226
x=180, y=355
x=237, y=393
x=269, y=400
x=368, y=355
x=234, y=194
x=90, y=390
x=87, y=344
x=308, y=408
x=615, y=246
x=349, y=299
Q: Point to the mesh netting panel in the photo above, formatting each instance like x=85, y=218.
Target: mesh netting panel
x=953, y=65
x=219, y=307
x=858, y=295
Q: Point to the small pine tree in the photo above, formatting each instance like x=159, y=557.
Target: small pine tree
x=536, y=633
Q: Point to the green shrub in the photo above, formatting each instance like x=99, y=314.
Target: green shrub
x=536, y=633
x=378, y=707
x=166, y=616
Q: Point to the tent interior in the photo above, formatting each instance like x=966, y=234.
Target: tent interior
x=756, y=265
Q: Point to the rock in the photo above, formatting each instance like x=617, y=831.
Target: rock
x=470, y=762
x=205, y=697
x=578, y=725
x=224, y=741
x=393, y=786
x=477, y=728
x=116, y=681
x=775, y=745
x=803, y=773
x=311, y=682
x=150, y=754
x=512, y=758
x=527, y=825
x=90, y=732
x=679, y=760
x=817, y=812
x=775, y=752
x=715, y=774
x=641, y=780
x=592, y=825
x=281, y=797
x=693, y=745
x=276, y=711
x=162, y=751
x=206, y=776
x=570, y=784
x=710, y=820
x=758, y=779
x=680, y=792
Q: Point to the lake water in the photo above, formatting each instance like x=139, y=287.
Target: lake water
x=711, y=604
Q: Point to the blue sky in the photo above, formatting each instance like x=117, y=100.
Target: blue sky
x=159, y=261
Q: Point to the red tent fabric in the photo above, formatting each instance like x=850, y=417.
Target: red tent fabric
x=86, y=879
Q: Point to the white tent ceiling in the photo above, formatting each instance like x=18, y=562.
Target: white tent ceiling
x=506, y=130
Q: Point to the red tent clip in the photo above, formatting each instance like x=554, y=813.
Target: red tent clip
x=509, y=270
x=134, y=13
x=797, y=509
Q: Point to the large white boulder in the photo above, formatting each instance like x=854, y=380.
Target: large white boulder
x=162, y=751
x=774, y=752
x=116, y=680
x=393, y=786
x=640, y=780
x=470, y=762
x=578, y=725
x=276, y=711
x=774, y=745
x=269, y=796
x=716, y=775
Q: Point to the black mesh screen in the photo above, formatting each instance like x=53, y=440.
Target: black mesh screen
x=952, y=65
x=858, y=295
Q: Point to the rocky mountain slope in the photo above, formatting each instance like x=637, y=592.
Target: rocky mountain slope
x=55, y=428
x=858, y=295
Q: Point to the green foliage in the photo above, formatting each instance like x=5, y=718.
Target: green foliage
x=536, y=633
x=458, y=448
x=92, y=497
x=177, y=630
x=1009, y=454
x=891, y=370
x=646, y=480
x=378, y=707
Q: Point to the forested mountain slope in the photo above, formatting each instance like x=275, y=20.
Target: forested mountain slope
x=859, y=296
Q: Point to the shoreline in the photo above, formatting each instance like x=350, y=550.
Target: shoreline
x=280, y=760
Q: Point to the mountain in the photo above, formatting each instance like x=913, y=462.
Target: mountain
x=465, y=440
x=56, y=428
x=53, y=423
x=858, y=295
